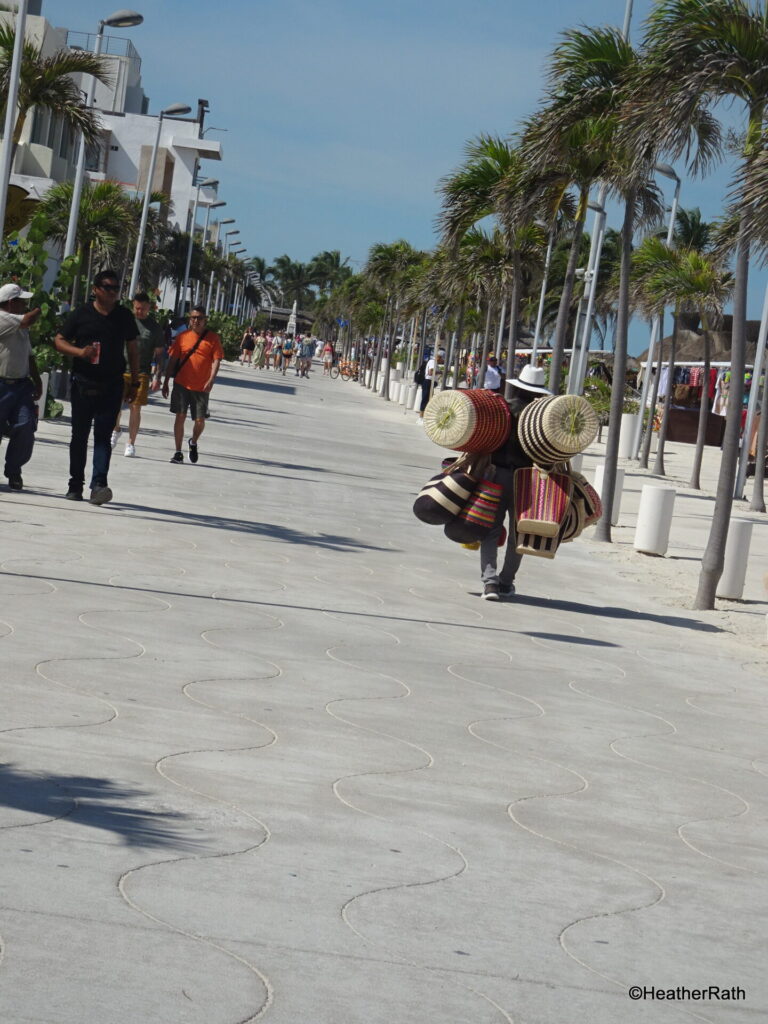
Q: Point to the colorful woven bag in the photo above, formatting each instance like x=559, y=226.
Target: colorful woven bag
x=541, y=501
x=584, y=491
x=478, y=515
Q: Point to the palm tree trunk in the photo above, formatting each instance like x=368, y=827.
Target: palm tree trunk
x=484, y=354
x=648, y=435
x=701, y=434
x=758, y=491
x=564, y=309
x=514, y=312
x=457, y=345
x=714, y=555
x=658, y=466
x=390, y=351
x=377, y=347
x=603, y=530
x=500, y=335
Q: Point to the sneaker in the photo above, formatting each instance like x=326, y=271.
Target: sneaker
x=491, y=592
x=177, y=457
x=130, y=451
x=115, y=437
x=16, y=483
x=101, y=495
x=193, y=456
x=73, y=494
x=506, y=589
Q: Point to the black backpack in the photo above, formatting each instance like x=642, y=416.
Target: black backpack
x=421, y=375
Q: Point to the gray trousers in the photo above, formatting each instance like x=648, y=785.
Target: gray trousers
x=489, y=548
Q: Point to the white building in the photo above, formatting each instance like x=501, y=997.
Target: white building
x=47, y=151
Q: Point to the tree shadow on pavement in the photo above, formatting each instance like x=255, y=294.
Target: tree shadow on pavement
x=93, y=803
x=609, y=612
x=278, y=531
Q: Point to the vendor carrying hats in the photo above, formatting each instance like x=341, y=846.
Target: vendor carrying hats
x=519, y=393
x=20, y=385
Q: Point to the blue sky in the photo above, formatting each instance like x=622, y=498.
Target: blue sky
x=342, y=115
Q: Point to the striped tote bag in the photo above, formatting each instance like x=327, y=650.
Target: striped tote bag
x=444, y=497
x=541, y=501
x=478, y=515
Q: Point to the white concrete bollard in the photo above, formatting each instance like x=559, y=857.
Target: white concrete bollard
x=576, y=462
x=415, y=397
x=617, y=491
x=731, y=583
x=654, y=519
x=404, y=385
x=627, y=434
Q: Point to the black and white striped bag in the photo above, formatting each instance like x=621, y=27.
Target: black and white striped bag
x=443, y=497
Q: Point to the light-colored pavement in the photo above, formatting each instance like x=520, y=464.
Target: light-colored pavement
x=268, y=756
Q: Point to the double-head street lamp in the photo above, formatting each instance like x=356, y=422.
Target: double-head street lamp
x=120, y=19
x=175, y=110
x=208, y=183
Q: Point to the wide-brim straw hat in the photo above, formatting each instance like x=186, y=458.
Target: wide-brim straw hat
x=554, y=429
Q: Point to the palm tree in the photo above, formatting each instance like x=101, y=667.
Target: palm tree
x=106, y=219
x=693, y=283
x=47, y=83
x=330, y=270
x=597, y=71
x=567, y=153
x=296, y=281
x=700, y=54
x=387, y=266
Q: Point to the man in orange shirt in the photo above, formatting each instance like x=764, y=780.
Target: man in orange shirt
x=194, y=359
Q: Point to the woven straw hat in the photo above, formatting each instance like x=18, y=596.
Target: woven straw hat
x=469, y=421
x=554, y=429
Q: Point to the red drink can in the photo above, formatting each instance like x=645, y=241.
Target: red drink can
x=97, y=354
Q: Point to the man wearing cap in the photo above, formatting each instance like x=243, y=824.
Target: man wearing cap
x=96, y=336
x=520, y=392
x=20, y=385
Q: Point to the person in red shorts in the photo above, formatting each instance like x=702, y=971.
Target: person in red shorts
x=194, y=361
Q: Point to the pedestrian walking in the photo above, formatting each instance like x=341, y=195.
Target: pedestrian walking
x=97, y=335
x=277, y=352
x=151, y=341
x=509, y=457
x=327, y=358
x=247, y=345
x=259, y=352
x=430, y=374
x=306, y=351
x=20, y=384
x=194, y=362
x=288, y=346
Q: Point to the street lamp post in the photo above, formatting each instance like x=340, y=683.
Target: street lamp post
x=10, y=110
x=211, y=206
x=583, y=331
x=175, y=110
x=208, y=183
x=219, y=289
x=120, y=19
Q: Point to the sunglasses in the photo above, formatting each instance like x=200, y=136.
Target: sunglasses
x=109, y=287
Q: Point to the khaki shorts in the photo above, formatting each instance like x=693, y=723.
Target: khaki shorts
x=142, y=395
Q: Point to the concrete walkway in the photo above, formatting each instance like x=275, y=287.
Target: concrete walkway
x=267, y=756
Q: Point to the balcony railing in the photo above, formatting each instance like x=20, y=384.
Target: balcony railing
x=115, y=46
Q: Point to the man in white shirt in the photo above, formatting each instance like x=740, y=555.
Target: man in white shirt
x=493, y=378
x=20, y=384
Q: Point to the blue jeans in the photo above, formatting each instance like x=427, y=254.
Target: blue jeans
x=17, y=415
x=97, y=410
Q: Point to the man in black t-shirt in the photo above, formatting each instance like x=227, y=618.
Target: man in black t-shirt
x=95, y=335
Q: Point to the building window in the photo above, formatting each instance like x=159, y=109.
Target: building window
x=96, y=154
x=53, y=124
x=39, y=126
x=64, y=143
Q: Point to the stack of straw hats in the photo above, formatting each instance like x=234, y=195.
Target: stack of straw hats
x=554, y=429
x=467, y=421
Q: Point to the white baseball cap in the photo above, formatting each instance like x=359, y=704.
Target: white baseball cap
x=12, y=291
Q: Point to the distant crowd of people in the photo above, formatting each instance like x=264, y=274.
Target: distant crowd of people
x=119, y=356
x=265, y=350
